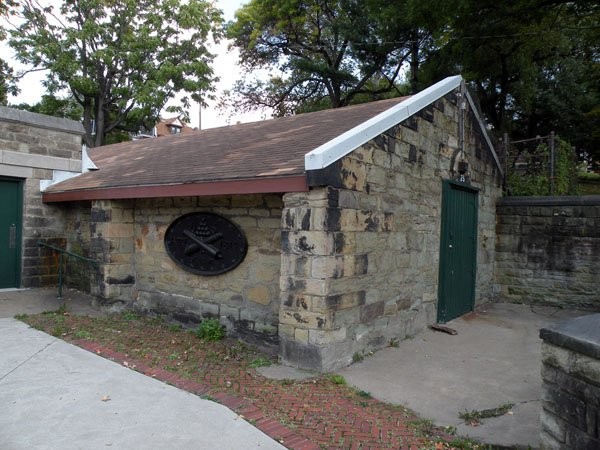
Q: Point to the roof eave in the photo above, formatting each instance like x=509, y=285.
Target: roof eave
x=345, y=143
x=292, y=183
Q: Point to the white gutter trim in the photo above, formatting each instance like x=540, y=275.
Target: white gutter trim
x=345, y=143
x=484, y=131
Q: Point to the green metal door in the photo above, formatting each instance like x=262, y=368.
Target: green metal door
x=10, y=233
x=458, y=251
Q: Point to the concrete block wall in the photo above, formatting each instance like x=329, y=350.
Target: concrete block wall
x=548, y=251
x=571, y=385
x=32, y=147
x=360, y=254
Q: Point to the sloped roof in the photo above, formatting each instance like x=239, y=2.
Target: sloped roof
x=162, y=127
x=269, y=153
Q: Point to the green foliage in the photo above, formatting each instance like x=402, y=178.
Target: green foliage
x=325, y=53
x=260, y=362
x=210, y=330
x=357, y=357
x=119, y=59
x=534, y=178
x=51, y=105
x=337, y=379
x=130, y=315
x=364, y=394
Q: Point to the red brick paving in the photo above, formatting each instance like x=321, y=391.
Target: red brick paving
x=307, y=415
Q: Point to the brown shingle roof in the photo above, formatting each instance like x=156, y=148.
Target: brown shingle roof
x=267, y=149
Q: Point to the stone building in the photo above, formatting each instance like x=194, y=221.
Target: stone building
x=327, y=234
x=35, y=150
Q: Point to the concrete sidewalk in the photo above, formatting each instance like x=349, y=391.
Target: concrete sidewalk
x=58, y=396
x=493, y=359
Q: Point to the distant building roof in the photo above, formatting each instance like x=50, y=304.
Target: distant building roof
x=172, y=126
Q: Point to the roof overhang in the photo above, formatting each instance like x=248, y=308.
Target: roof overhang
x=296, y=183
x=345, y=143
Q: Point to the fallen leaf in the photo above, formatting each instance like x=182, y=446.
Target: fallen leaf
x=439, y=446
x=105, y=398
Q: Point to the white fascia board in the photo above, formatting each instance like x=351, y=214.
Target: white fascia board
x=345, y=143
x=484, y=131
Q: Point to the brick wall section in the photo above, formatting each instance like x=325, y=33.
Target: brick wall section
x=32, y=146
x=548, y=251
x=360, y=257
x=571, y=385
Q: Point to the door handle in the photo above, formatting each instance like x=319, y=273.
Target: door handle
x=12, y=236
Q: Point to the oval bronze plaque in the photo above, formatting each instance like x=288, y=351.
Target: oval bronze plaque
x=205, y=243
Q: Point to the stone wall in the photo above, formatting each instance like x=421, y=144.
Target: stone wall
x=127, y=236
x=571, y=385
x=360, y=256
x=548, y=251
x=32, y=148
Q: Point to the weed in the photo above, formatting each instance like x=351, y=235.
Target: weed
x=474, y=417
x=364, y=394
x=394, y=342
x=208, y=397
x=21, y=317
x=450, y=429
x=363, y=404
x=423, y=427
x=62, y=309
x=175, y=327
x=173, y=356
x=357, y=357
x=462, y=443
x=260, y=362
x=287, y=382
x=59, y=330
x=130, y=315
x=82, y=334
x=337, y=379
x=210, y=330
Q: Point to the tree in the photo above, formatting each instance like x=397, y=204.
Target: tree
x=322, y=53
x=8, y=83
x=54, y=106
x=119, y=59
x=533, y=64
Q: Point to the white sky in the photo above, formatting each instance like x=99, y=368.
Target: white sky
x=224, y=66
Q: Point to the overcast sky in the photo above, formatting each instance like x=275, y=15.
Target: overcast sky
x=224, y=67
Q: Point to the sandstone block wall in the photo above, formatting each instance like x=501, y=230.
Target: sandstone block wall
x=571, y=385
x=548, y=251
x=127, y=237
x=360, y=255
x=32, y=147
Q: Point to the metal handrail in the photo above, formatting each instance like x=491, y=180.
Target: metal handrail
x=62, y=252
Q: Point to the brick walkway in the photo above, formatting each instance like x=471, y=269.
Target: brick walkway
x=309, y=414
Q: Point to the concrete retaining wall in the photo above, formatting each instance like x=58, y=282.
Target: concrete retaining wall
x=548, y=251
x=571, y=385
